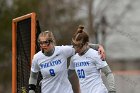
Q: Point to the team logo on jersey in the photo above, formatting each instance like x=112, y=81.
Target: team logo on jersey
x=84, y=63
x=49, y=64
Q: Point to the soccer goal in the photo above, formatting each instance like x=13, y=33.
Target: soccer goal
x=25, y=30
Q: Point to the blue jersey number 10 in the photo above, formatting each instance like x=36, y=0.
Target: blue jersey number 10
x=81, y=73
x=52, y=72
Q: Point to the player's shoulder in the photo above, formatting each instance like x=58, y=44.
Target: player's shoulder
x=72, y=57
x=57, y=47
x=92, y=52
x=38, y=55
x=63, y=46
x=75, y=56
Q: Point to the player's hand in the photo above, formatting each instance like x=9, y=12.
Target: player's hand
x=112, y=92
x=31, y=91
x=101, y=51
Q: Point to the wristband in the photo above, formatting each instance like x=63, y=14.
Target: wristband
x=32, y=87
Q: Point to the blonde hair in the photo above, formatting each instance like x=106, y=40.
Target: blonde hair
x=49, y=34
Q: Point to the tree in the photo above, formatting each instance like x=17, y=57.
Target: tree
x=91, y=29
x=59, y=17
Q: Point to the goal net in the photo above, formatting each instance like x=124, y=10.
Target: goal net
x=25, y=30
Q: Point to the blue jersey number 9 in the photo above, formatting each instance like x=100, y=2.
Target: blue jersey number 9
x=52, y=72
x=81, y=73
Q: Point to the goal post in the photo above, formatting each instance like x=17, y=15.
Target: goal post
x=24, y=34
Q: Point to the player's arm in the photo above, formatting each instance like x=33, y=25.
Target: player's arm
x=99, y=48
x=33, y=82
x=110, y=78
x=74, y=80
x=94, y=46
x=68, y=51
x=71, y=72
x=73, y=77
x=33, y=74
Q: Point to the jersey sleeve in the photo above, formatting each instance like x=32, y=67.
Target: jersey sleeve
x=98, y=61
x=68, y=51
x=71, y=66
x=34, y=66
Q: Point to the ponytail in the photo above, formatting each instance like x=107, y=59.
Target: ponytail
x=80, y=35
